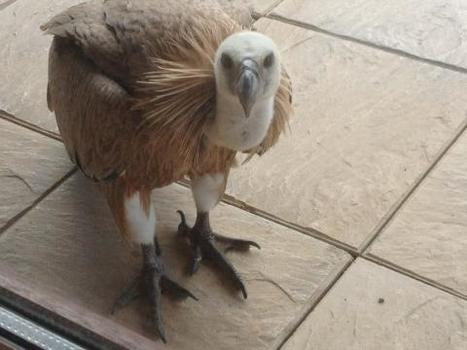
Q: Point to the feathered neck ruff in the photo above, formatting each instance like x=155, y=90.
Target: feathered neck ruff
x=177, y=93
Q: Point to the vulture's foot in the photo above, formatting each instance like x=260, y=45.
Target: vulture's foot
x=203, y=243
x=151, y=283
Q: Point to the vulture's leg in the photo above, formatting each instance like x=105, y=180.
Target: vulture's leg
x=207, y=191
x=152, y=281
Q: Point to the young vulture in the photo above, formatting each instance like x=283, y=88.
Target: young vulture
x=148, y=92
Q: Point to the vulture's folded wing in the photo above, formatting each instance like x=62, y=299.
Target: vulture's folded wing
x=100, y=51
x=85, y=26
x=87, y=89
x=92, y=111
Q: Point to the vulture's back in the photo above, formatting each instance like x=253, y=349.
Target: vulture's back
x=101, y=50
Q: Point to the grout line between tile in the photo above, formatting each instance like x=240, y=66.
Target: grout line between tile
x=232, y=201
x=26, y=210
x=256, y=15
x=387, y=49
x=11, y=118
x=268, y=9
x=408, y=273
x=398, y=205
x=376, y=260
x=277, y=220
x=314, y=303
x=6, y=4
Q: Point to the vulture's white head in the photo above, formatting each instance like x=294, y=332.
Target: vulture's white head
x=247, y=68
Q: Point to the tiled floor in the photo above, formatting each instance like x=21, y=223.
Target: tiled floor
x=361, y=209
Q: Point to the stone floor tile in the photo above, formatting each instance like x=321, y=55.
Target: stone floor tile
x=428, y=235
x=372, y=307
x=5, y=3
x=367, y=124
x=24, y=55
x=29, y=164
x=263, y=6
x=66, y=255
x=435, y=29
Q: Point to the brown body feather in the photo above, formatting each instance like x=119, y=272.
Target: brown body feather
x=132, y=86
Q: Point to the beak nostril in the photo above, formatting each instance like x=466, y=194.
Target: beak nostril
x=249, y=64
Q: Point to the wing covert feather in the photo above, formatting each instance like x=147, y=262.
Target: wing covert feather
x=92, y=111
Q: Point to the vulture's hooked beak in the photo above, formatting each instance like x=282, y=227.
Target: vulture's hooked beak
x=248, y=84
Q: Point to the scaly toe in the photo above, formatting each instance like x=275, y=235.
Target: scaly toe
x=209, y=249
x=131, y=292
x=174, y=289
x=239, y=245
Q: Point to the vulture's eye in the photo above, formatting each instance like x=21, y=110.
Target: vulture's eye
x=269, y=60
x=226, y=61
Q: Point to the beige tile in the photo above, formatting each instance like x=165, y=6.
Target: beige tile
x=264, y=6
x=429, y=234
x=67, y=255
x=29, y=164
x=24, y=55
x=371, y=308
x=367, y=124
x=433, y=29
x=5, y=3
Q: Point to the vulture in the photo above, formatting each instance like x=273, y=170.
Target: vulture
x=149, y=92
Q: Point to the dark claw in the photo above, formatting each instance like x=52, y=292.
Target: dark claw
x=161, y=332
x=182, y=218
x=243, y=289
x=237, y=244
x=174, y=289
x=183, y=228
x=226, y=265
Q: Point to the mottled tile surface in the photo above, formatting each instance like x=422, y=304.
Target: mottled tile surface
x=435, y=29
x=68, y=250
x=371, y=307
x=29, y=164
x=264, y=6
x=24, y=55
x=5, y=3
x=429, y=234
x=367, y=124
